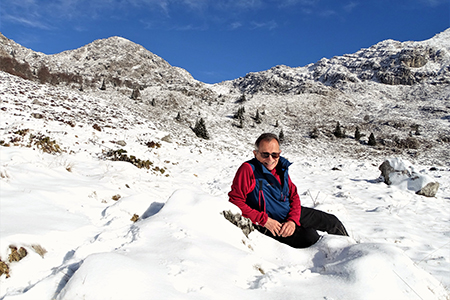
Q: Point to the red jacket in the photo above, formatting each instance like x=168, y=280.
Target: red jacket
x=244, y=183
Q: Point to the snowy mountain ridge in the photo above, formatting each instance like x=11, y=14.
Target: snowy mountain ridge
x=398, y=91
x=388, y=62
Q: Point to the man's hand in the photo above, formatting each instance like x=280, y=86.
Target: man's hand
x=287, y=229
x=277, y=229
x=273, y=225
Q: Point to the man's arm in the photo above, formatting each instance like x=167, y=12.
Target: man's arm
x=244, y=183
x=294, y=200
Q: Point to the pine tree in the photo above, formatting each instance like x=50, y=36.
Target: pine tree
x=257, y=117
x=281, y=136
x=240, y=113
x=135, y=94
x=200, y=129
x=372, y=141
x=338, y=132
x=103, y=87
x=276, y=124
x=357, y=134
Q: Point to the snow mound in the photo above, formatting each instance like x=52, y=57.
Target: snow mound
x=188, y=251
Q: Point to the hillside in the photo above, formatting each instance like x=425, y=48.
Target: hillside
x=106, y=194
x=398, y=91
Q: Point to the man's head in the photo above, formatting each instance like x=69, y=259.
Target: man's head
x=267, y=150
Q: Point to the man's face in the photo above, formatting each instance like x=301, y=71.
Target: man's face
x=268, y=147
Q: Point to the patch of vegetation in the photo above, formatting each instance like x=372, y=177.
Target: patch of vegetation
x=121, y=155
x=39, y=250
x=45, y=144
x=4, y=269
x=135, y=218
x=22, y=132
x=97, y=127
x=16, y=255
x=152, y=144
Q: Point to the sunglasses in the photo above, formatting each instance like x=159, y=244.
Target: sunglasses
x=267, y=154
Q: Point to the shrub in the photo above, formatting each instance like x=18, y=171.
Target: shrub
x=45, y=144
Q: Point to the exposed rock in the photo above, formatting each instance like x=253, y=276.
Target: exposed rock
x=243, y=223
x=121, y=143
x=401, y=173
x=429, y=190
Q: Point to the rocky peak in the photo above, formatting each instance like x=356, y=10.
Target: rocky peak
x=115, y=59
x=388, y=62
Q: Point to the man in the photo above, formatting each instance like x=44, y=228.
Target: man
x=264, y=192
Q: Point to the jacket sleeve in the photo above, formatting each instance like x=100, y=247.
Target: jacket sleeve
x=243, y=184
x=294, y=199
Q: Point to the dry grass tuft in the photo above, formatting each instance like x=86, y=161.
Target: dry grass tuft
x=39, y=250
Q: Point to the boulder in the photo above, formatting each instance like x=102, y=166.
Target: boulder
x=429, y=190
x=395, y=171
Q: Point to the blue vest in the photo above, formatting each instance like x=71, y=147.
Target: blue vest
x=268, y=195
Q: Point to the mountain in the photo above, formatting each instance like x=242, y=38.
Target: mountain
x=399, y=91
x=115, y=59
x=388, y=62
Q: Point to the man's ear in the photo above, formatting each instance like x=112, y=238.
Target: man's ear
x=254, y=152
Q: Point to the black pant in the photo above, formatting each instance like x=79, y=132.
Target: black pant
x=306, y=235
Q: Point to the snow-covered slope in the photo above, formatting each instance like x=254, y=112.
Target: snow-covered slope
x=71, y=206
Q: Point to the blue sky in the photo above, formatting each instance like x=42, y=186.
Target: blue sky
x=218, y=40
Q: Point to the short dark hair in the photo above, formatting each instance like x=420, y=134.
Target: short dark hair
x=266, y=137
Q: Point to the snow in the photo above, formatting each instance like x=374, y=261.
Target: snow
x=72, y=210
x=182, y=247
